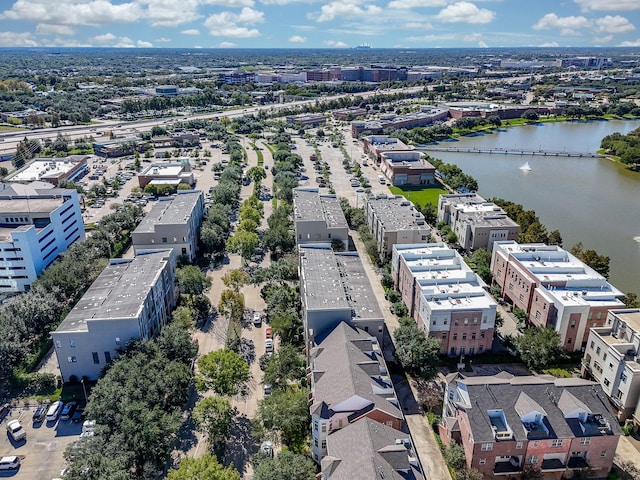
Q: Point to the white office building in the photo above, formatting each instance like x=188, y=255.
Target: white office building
x=37, y=223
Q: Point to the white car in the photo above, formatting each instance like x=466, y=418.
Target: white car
x=9, y=463
x=54, y=411
x=16, y=431
x=268, y=345
x=257, y=319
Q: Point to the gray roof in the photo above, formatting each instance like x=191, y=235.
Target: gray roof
x=347, y=363
x=170, y=212
x=337, y=281
x=370, y=450
x=310, y=205
x=118, y=292
x=548, y=395
x=396, y=213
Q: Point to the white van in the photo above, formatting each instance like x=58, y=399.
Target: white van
x=54, y=411
x=9, y=463
x=381, y=179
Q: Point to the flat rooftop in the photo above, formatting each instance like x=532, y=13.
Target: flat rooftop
x=161, y=169
x=396, y=213
x=462, y=198
x=40, y=168
x=631, y=318
x=457, y=296
x=311, y=205
x=176, y=211
x=119, y=291
x=29, y=206
x=488, y=219
x=337, y=281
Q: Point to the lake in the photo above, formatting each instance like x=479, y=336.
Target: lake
x=592, y=200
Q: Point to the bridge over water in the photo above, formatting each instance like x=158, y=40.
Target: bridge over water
x=509, y=151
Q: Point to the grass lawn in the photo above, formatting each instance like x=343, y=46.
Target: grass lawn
x=8, y=128
x=419, y=194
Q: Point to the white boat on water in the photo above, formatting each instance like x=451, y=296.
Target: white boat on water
x=526, y=167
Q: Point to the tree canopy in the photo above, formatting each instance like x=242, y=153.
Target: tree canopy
x=223, y=371
x=540, y=348
x=417, y=352
x=201, y=468
x=286, y=466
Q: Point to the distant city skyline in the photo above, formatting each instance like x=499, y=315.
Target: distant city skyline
x=319, y=24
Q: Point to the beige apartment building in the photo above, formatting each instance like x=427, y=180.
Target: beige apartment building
x=611, y=359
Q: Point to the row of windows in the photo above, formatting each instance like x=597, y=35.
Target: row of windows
x=72, y=342
x=16, y=219
x=96, y=358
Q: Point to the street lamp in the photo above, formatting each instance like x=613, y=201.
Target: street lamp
x=84, y=390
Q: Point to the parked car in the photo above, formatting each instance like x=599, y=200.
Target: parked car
x=257, y=319
x=267, y=389
x=40, y=412
x=267, y=333
x=68, y=410
x=5, y=408
x=268, y=345
x=78, y=415
x=88, y=426
x=267, y=448
x=54, y=410
x=16, y=431
x=9, y=463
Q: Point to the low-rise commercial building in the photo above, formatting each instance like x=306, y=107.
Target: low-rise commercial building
x=167, y=174
x=37, y=223
x=334, y=288
x=318, y=218
x=445, y=297
x=349, y=383
x=555, y=289
x=370, y=449
x=131, y=299
x=509, y=424
x=117, y=147
x=375, y=145
x=173, y=222
x=51, y=170
x=407, y=168
x=306, y=119
x=476, y=222
x=394, y=220
x=611, y=359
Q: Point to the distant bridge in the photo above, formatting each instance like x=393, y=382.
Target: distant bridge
x=510, y=151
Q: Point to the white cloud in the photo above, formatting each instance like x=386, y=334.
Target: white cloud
x=404, y=4
x=482, y=44
x=549, y=44
x=335, y=44
x=418, y=26
x=144, y=44
x=465, y=12
x=628, y=43
x=349, y=8
x=472, y=37
x=124, y=42
x=229, y=24
x=226, y=45
x=191, y=31
x=46, y=29
x=73, y=12
x=163, y=40
x=104, y=38
x=614, y=24
x=608, y=5
x=15, y=39
x=601, y=40
x=170, y=13
x=567, y=25
x=297, y=39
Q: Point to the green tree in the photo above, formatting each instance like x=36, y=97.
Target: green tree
x=256, y=174
x=244, y=243
x=535, y=233
x=631, y=300
x=213, y=418
x=287, y=411
x=192, y=281
x=480, y=261
x=540, y=348
x=531, y=115
x=231, y=305
x=286, y=466
x=600, y=263
x=236, y=279
x=286, y=365
x=223, y=371
x=555, y=238
x=417, y=353
x=454, y=456
x=201, y=468
x=468, y=474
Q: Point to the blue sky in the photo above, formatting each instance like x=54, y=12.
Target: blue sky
x=319, y=23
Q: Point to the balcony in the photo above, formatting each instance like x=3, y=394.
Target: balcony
x=577, y=463
x=507, y=468
x=552, y=465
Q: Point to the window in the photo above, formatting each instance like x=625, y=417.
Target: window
x=96, y=359
x=487, y=446
x=606, y=382
x=315, y=442
x=473, y=336
x=324, y=444
x=623, y=378
x=466, y=320
x=604, y=357
x=117, y=340
x=72, y=359
x=585, y=441
x=518, y=445
x=619, y=394
x=433, y=323
x=598, y=351
x=480, y=348
x=164, y=239
x=107, y=357
x=444, y=335
x=569, y=340
x=484, y=319
x=72, y=343
x=521, y=298
x=557, y=442
x=389, y=423
x=573, y=324
x=510, y=286
x=603, y=453
x=535, y=443
x=482, y=461
x=592, y=344
x=533, y=459
x=323, y=428
x=315, y=425
x=455, y=336
x=538, y=315
x=464, y=336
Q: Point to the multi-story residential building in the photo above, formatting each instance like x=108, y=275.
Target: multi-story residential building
x=131, y=299
x=370, y=449
x=172, y=223
x=611, y=359
x=509, y=424
x=407, y=168
x=334, y=288
x=167, y=174
x=476, y=222
x=37, y=223
x=555, y=289
x=349, y=382
x=394, y=220
x=51, y=170
x=318, y=218
x=445, y=297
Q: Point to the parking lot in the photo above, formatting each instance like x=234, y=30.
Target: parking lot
x=42, y=451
